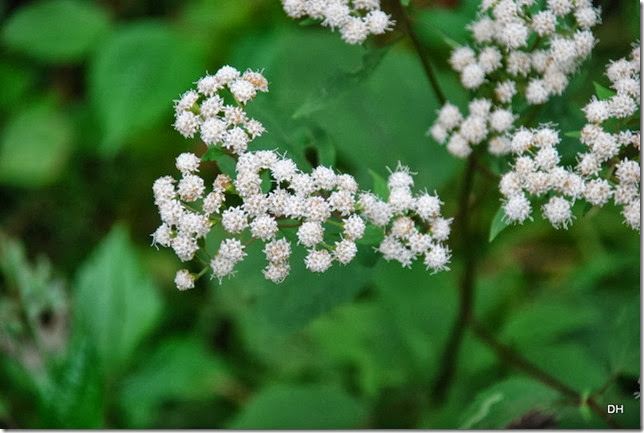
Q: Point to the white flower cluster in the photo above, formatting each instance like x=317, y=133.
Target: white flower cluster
x=517, y=50
x=315, y=203
x=214, y=120
x=608, y=168
x=356, y=19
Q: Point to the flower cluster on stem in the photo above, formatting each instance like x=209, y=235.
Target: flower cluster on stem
x=518, y=53
x=355, y=19
x=328, y=210
x=608, y=166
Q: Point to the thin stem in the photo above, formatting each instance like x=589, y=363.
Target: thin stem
x=429, y=71
x=466, y=300
x=515, y=360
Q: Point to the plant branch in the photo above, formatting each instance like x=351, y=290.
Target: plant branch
x=466, y=300
x=429, y=71
x=515, y=360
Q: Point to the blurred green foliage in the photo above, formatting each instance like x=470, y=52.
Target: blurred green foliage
x=93, y=333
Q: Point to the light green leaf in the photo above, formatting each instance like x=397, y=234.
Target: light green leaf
x=573, y=134
x=227, y=165
x=116, y=304
x=503, y=402
x=56, y=31
x=134, y=77
x=602, y=92
x=498, y=224
x=405, y=2
x=34, y=146
x=181, y=368
x=301, y=407
x=212, y=154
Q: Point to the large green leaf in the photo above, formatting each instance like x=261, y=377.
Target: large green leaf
x=116, y=304
x=134, y=77
x=301, y=407
x=181, y=368
x=35, y=145
x=56, y=31
x=506, y=401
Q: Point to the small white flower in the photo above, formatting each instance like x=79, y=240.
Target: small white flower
x=184, y=280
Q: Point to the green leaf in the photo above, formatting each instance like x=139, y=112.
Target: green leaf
x=624, y=347
x=341, y=82
x=35, y=145
x=301, y=407
x=498, y=224
x=212, y=154
x=503, y=402
x=372, y=236
x=573, y=364
x=227, y=165
x=56, y=31
x=134, y=77
x=116, y=304
x=308, y=22
x=602, y=92
x=22, y=79
x=405, y=2
x=181, y=368
x=573, y=134
x=379, y=185
x=547, y=323
x=74, y=396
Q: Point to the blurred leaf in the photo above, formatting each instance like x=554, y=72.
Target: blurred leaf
x=379, y=185
x=73, y=398
x=56, y=31
x=624, y=341
x=302, y=296
x=134, y=77
x=573, y=134
x=180, y=369
x=35, y=146
x=498, y=224
x=405, y=2
x=447, y=25
x=503, y=402
x=570, y=363
x=301, y=407
x=365, y=339
x=602, y=92
x=33, y=289
x=542, y=323
x=116, y=304
x=21, y=79
x=341, y=82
